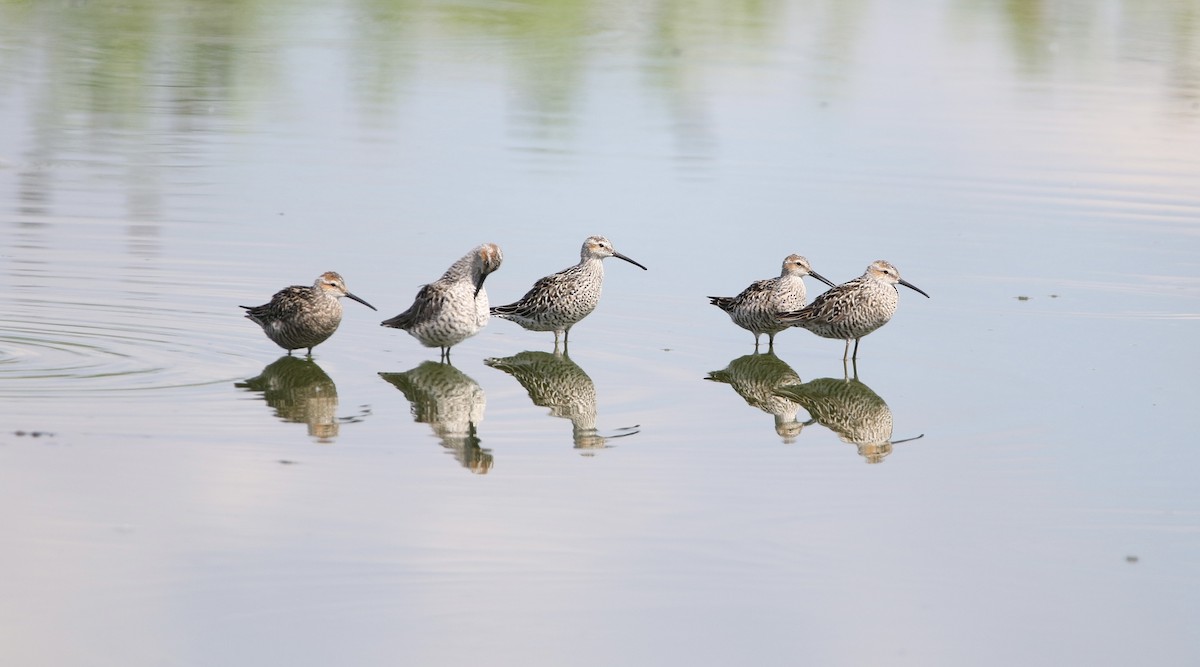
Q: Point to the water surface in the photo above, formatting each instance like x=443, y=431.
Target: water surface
x=1009, y=478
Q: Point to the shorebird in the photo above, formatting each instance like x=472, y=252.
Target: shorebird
x=453, y=307
x=560, y=300
x=755, y=308
x=299, y=316
x=854, y=308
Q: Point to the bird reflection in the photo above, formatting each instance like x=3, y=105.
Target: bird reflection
x=300, y=392
x=756, y=377
x=452, y=404
x=554, y=381
x=849, y=408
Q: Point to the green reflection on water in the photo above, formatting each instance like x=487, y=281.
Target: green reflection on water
x=119, y=90
x=452, y=404
x=300, y=392
x=554, y=381
x=849, y=408
x=116, y=61
x=757, y=378
x=1046, y=38
x=108, y=58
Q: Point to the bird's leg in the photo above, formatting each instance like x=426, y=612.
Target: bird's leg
x=846, y=369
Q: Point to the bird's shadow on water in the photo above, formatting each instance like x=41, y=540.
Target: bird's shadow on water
x=844, y=405
x=452, y=404
x=300, y=392
x=554, y=381
x=849, y=408
x=756, y=378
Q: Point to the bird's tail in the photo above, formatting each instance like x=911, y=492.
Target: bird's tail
x=722, y=302
x=503, y=311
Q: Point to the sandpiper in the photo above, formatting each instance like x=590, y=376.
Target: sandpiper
x=298, y=316
x=854, y=308
x=455, y=306
x=558, y=301
x=755, y=308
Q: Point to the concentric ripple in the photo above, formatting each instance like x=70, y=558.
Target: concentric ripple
x=138, y=351
x=109, y=323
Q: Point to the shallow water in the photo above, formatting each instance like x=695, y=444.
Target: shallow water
x=1009, y=481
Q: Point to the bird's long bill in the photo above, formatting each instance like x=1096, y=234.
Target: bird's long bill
x=479, y=283
x=914, y=288
x=620, y=256
x=351, y=296
x=820, y=277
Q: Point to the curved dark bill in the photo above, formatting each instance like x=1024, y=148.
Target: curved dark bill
x=620, y=256
x=351, y=296
x=914, y=287
x=822, y=278
x=918, y=437
x=479, y=285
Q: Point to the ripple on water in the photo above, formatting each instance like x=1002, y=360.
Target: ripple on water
x=41, y=356
x=105, y=322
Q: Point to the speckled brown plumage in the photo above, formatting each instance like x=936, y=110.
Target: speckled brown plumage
x=854, y=308
x=756, y=307
x=455, y=306
x=303, y=317
x=559, y=301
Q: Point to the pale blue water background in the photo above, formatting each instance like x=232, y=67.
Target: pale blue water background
x=163, y=162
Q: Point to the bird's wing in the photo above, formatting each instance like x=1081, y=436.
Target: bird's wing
x=532, y=301
x=427, y=304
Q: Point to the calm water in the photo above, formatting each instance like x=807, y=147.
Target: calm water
x=1012, y=482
